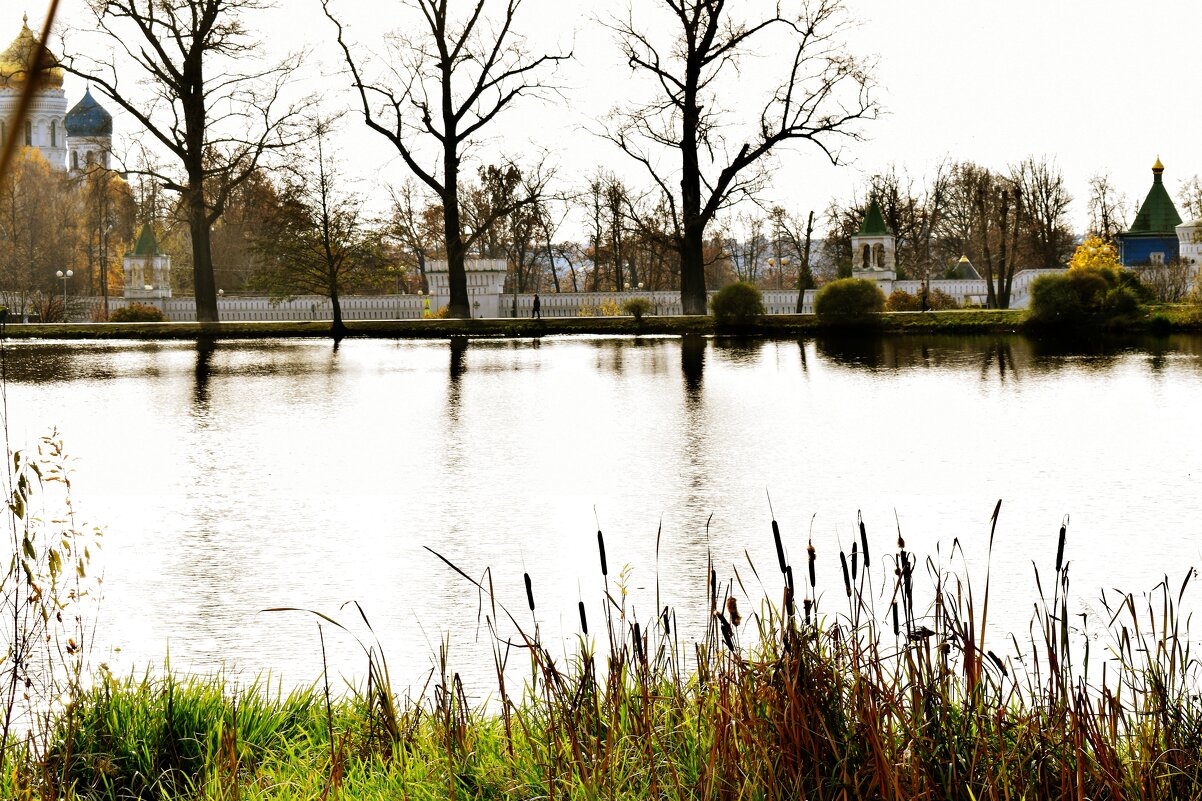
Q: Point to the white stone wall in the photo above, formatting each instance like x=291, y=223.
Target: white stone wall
x=553, y=304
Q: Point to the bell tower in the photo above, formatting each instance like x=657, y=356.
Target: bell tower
x=874, y=248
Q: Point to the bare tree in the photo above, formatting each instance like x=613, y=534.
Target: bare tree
x=413, y=228
x=823, y=94
x=317, y=237
x=450, y=80
x=1190, y=196
x=198, y=101
x=1107, y=208
x=1049, y=240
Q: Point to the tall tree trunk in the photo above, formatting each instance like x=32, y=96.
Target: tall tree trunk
x=803, y=269
x=202, y=256
x=692, y=250
x=337, y=329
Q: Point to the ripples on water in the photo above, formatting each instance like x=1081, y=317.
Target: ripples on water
x=238, y=476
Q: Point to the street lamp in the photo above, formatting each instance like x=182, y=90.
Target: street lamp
x=64, y=276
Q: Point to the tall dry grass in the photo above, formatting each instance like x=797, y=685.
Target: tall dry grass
x=824, y=688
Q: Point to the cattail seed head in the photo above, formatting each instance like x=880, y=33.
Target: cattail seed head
x=732, y=609
x=811, y=558
x=529, y=591
x=1060, y=548
x=601, y=548
x=855, y=552
x=846, y=579
x=864, y=542
x=583, y=617
x=780, y=548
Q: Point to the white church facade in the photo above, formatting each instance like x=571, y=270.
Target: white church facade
x=72, y=139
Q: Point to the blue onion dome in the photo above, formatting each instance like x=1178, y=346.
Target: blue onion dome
x=89, y=118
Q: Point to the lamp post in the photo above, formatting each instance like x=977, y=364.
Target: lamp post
x=64, y=276
x=104, y=267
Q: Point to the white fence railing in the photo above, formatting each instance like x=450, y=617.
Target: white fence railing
x=552, y=304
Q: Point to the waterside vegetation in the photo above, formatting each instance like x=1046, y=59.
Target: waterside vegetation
x=875, y=683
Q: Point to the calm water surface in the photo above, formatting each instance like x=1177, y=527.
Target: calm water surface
x=239, y=476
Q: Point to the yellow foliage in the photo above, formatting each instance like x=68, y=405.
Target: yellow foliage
x=440, y=314
x=586, y=310
x=1097, y=253
x=610, y=308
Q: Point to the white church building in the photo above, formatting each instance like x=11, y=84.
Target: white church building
x=70, y=140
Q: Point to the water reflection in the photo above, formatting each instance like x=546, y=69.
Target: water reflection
x=739, y=350
x=205, y=348
x=235, y=476
x=692, y=365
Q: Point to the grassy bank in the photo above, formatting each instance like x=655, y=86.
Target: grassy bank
x=1164, y=319
x=842, y=692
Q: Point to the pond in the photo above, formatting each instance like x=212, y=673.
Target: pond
x=238, y=476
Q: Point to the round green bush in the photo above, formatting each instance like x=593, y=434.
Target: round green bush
x=1085, y=294
x=849, y=299
x=637, y=308
x=138, y=313
x=737, y=303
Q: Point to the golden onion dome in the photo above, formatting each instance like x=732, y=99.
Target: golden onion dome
x=1158, y=167
x=15, y=63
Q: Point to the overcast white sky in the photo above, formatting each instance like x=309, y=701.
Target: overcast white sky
x=1099, y=85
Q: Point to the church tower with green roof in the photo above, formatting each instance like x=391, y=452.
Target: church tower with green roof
x=874, y=248
x=147, y=271
x=1152, y=237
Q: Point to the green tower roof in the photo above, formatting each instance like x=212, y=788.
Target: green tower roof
x=147, y=244
x=1157, y=215
x=874, y=222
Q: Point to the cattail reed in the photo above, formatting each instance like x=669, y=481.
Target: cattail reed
x=583, y=617
x=1060, y=544
x=601, y=548
x=728, y=636
x=780, y=548
x=788, y=601
x=846, y=579
x=855, y=553
x=529, y=591
x=665, y=616
x=811, y=555
x=863, y=540
x=638, y=640
x=896, y=626
x=807, y=605
x=789, y=578
x=732, y=609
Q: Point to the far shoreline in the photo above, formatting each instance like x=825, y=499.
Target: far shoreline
x=1155, y=320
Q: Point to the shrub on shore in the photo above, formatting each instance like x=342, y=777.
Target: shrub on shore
x=1085, y=295
x=137, y=313
x=637, y=308
x=849, y=299
x=902, y=301
x=737, y=303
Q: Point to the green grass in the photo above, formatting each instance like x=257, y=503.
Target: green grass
x=842, y=692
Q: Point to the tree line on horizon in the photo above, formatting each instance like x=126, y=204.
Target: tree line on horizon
x=245, y=188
